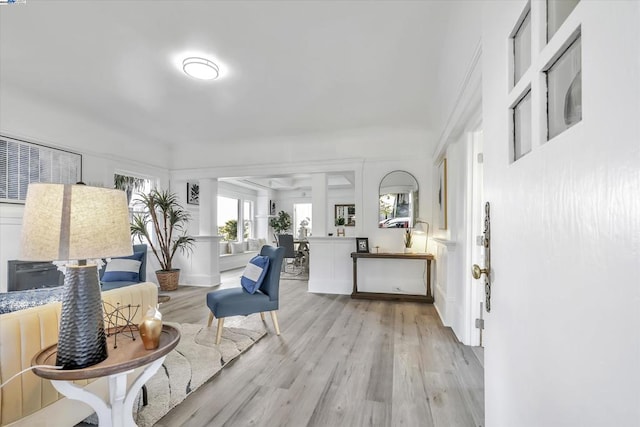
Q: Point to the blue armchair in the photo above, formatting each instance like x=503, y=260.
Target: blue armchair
x=238, y=302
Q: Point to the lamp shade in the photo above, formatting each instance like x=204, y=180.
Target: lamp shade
x=73, y=222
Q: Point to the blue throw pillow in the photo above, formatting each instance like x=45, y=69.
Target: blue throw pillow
x=137, y=256
x=123, y=269
x=254, y=273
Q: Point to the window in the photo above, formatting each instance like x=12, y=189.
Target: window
x=228, y=215
x=134, y=187
x=247, y=213
x=302, y=219
x=22, y=163
x=228, y=218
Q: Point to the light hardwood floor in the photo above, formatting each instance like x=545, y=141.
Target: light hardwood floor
x=338, y=362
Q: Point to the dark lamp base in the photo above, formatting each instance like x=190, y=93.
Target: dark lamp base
x=81, y=340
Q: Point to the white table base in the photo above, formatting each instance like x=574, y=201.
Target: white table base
x=118, y=412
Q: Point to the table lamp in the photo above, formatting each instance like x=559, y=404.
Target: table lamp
x=422, y=227
x=65, y=222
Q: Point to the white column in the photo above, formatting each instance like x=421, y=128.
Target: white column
x=240, y=236
x=319, y=202
x=358, y=199
x=202, y=267
x=262, y=217
x=208, y=206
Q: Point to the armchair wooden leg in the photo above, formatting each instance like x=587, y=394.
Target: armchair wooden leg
x=219, y=332
x=274, y=317
x=210, y=319
x=262, y=315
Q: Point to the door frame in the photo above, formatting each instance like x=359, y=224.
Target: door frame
x=465, y=119
x=474, y=253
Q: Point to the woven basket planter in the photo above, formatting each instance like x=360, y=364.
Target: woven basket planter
x=168, y=280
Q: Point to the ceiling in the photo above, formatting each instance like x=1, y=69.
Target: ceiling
x=289, y=182
x=288, y=67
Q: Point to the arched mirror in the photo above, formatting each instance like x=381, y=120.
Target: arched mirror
x=398, y=200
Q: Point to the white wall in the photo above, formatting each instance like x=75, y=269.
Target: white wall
x=38, y=120
x=458, y=42
x=96, y=171
x=289, y=151
x=452, y=272
x=562, y=338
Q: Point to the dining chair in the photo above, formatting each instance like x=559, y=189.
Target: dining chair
x=285, y=241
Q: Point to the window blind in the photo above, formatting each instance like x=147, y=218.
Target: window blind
x=24, y=162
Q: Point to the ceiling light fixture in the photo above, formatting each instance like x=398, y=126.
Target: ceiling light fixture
x=200, y=68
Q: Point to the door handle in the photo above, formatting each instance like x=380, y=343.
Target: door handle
x=477, y=272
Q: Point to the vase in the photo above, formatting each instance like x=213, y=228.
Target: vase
x=151, y=328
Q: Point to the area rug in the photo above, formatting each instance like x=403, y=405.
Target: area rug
x=294, y=274
x=195, y=360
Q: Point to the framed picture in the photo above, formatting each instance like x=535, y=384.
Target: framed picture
x=272, y=207
x=442, y=195
x=362, y=244
x=347, y=213
x=193, y=193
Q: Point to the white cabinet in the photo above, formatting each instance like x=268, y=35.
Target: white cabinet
x=330, y=264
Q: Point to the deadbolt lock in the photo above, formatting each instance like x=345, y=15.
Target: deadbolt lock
x=477, y=272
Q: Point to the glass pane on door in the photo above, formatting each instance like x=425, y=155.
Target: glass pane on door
x=564, y=90
x=557, y=13
x=522, y=127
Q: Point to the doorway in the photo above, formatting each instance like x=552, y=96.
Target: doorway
x=302, y=214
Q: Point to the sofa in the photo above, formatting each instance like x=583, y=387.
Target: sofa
x=31, y=401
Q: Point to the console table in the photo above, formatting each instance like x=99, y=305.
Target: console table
x=428, y=298
x=122, y=361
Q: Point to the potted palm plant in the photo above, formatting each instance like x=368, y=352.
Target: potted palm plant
x=168, y=219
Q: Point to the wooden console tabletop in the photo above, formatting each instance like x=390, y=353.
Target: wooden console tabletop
x=428, y=298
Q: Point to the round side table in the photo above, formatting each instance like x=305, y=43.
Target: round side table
x=122, y=361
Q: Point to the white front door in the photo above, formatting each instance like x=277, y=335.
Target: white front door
x=563, y=334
